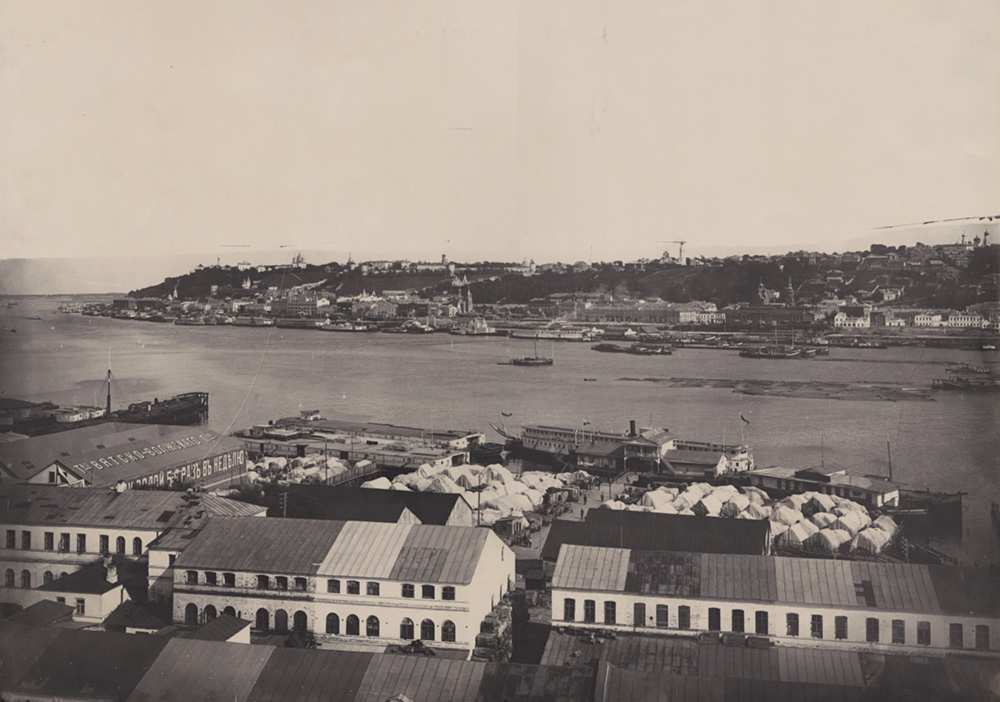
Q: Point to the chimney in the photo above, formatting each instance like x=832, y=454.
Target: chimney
x=112, y=569
x=631, y=427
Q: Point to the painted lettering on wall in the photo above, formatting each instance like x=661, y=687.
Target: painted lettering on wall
x=194, y=471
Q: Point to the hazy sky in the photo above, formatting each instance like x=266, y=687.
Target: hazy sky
x=553, y=130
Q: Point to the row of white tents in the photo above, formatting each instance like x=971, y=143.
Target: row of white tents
x=296, y=470
x=833, y=521
x=492, y=490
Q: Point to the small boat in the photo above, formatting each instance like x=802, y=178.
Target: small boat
x=535, y=360
x=507, y=414
x=590, y=380
x=770, y=352
x=966, y=369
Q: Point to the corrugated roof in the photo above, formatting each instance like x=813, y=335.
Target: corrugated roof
x=871, y=585
x=24, y=459
x=261, y=544
x=440, y=554
x=591, y=568
x=296, y=675
x=658, y=532
x=42, y=613
x=91, y=664
x=202, y=670
x=365, y=550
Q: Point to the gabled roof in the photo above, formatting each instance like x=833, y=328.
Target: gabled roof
x=651, y=531
x=361, y=504
x=222, y=628
x=42, y=613
x=92, y=579
x=132, y=615
x=701, y=458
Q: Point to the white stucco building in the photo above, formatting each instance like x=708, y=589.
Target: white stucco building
x=877, y=607
x=356, y=583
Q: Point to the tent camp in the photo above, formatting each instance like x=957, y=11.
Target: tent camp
x=786, y=515
x=823, y=519
x=852, y=522
x=827, y=541
x=870, y=541
x=798, y=533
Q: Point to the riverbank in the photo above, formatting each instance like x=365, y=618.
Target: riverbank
x=808, y=389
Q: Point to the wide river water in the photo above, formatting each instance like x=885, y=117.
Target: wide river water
x=443, y=381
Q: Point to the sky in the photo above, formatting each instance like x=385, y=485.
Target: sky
x=546, y=129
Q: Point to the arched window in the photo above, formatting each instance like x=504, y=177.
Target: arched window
x=299, y=621
x=448, y=631
x=137, y=546
x=263, y=620
x=332, y=623
x=353, y=626
x=230, y=611
x=209, y=613
x=371, y=626
x=47, y=577
x=120, y=545
x=8, y=578
x=191, y=614
x=427, y=630
x=406, y=629
x=281, y=621
x=25, y=578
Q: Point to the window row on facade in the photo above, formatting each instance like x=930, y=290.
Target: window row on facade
x=350, y=626
x=10, y=578
x=65, y=542
x=301, y=584
x=762, y=625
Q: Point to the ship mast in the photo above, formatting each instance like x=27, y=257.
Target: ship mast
x=108, y=415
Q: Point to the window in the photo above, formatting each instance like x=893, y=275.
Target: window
x=791, y=624
x=8, y=579
x=209, y=613
x=589, y=611
x=816, y=626
x=81, y=606
x=211, y=578
x=683, y=617
x=609, y=612
x=49, y=541
x=924, y=633
x=662, y=616
x=353, y=626
x=26, y=540
x=191, y=614
x=332, y=623
x=47, y=577
x=448, y=631
x=281, y=582
x=229, y=579
x=281, y=621
x=263, y=620
x=263, y=582
x=840, y=627
x=301, y=584
x=898, y=631
x=333, y=586
x=427, y=592
x=371, y=626
x=230, y=611
x=569, y=609
x=871, y=630
x=427, y=630
x=11, y=538
x=406, y=629
x=407, y=590
x=982, y=637
x=63, y=542
x=738, y=619
x=714, y=619
x=191, y=577
x=81, y=543
x=372, y=589
x=956, y=636
x=638, y=614
x=447, y=593
x=353, y=587
x=25, y=578
x=300, y=622
x=137, y=546
x=103, y=540
x=120, y=545
x=760, y=622
x=171, y=558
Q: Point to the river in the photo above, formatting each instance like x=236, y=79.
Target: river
x=443, y=381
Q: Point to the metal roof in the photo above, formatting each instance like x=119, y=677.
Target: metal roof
x=42, y=613
x=296, y=675
x=49, y=505
x=425, y=553
x=222, y=628
x=658, y=532
x=20, y=646
x=838, y=583
x=24, y=459
x=193, y=670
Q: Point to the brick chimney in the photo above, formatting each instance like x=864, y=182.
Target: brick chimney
x=112, y=569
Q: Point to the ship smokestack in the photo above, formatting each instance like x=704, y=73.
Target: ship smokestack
x=631, y=427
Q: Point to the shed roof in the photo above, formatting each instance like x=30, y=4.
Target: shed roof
x=658, y=532
x=222, y=628
x=200, y=670
x=887, y=586
x=42, y=613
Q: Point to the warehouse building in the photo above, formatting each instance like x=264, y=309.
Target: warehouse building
x=365, y=505
x=149, y=455
x=812, y=602
x=350, y=583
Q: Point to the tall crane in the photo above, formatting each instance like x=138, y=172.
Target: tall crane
x=680, y=252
